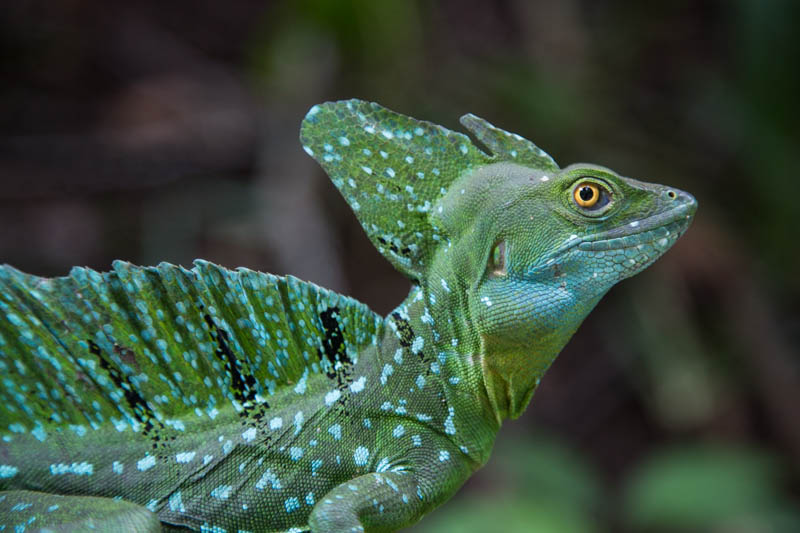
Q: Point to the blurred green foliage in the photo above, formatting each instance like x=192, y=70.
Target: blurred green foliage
x=709, y=488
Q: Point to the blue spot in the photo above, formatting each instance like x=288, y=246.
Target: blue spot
x=223, y=492
x=7, y=471
x=361, y=456
x=291, y=504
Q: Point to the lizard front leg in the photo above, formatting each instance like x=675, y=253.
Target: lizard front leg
x=394, y=498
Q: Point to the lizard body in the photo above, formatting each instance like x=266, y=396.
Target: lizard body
x=214, y=400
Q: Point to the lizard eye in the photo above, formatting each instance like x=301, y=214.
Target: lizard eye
x=497, y=259
x=590, y=195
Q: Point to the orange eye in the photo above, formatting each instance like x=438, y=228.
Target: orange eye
x=586, y=194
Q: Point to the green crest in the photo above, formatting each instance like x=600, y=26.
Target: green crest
x=392, y=169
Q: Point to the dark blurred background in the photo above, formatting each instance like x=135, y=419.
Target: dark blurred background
x=150, y=131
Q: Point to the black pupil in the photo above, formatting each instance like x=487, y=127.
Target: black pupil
x=586, y=193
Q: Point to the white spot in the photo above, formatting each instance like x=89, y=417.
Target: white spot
x=444, y=285
x=449, y=426
x=369, y=129
x=335, y=431
x=344, y=141
x=634, y=223
x=399, y=431
x=358, y=385
x=223, y=492
x=388, y=134
x=276, y=423
x=390, y=172
x=249, y=434
x=117, y=467
x=147, y=463
x=361, y=456
x=295, y=453
x=309, y=151
x=463, y=149
x=416, y=346
x=184, y=457
x=487, y=301
x=387, y=371
x=409, y=159
x=80, y=469
x=544, y=178
x=383, y=154
x=367, y=170
x=269, y=477
x=444, y=455
x=332, y=396
x=420, y=382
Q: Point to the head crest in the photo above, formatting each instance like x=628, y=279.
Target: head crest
x=392, y=169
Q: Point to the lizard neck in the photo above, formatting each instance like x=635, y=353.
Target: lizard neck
x=502, y=360
x=440, y=339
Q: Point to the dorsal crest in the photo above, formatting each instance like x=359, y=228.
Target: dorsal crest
x=392, y=169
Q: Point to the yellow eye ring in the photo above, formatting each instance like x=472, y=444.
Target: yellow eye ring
x=586, y=194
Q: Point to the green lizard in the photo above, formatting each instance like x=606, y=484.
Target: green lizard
x=215, y=400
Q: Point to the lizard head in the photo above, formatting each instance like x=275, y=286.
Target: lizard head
x=511, y=251
x=541, y=248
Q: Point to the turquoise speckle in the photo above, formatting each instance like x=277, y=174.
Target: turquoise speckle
x=361, y=456
x=39, y=433
x=291, y=504
x=8, y=471
x=295, y=453
x=222, y=492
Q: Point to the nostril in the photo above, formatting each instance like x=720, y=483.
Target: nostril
x=672, y=195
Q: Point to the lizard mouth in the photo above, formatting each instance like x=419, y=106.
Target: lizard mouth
x=660, y=230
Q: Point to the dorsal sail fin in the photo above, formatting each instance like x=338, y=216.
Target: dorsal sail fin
x=158, y=346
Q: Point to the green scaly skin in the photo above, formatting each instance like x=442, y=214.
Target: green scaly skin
x=217, y=400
